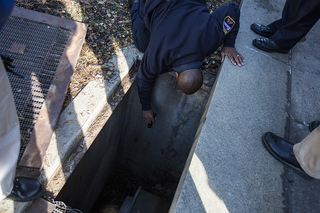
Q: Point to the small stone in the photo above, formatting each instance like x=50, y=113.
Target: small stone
x=206, y=80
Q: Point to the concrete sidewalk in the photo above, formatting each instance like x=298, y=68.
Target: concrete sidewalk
x=230, y=170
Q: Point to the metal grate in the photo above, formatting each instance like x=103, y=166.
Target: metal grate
x=36, y=49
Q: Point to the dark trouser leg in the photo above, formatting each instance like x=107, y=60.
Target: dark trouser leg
x=276, y=25
x=298, y=17
x=288, y=10
x=140, y=32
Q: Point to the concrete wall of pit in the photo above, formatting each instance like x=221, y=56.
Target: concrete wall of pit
x=156, y=154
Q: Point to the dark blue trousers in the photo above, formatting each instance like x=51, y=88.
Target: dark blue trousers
x=298, y=17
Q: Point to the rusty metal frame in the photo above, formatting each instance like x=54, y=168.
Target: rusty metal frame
x=38, y=144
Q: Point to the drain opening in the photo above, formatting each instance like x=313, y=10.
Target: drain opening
x=126, y=154
x=122, y=193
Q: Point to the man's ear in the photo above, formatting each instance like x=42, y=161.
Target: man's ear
x=177, y=76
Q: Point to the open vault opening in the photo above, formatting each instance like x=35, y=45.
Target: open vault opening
x=153, y=158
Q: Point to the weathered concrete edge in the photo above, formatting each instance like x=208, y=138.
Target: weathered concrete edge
x=76, y=118
x=274, y=56
x=193, y=148
x=84, y=109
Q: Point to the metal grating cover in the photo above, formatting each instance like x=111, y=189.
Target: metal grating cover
x=45, y=49
x=36, y=49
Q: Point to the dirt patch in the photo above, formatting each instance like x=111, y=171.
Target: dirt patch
x=122, y=184
x=109, y=28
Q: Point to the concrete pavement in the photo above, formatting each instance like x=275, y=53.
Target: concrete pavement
x=229, y=170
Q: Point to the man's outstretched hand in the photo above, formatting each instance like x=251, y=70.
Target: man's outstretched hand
x=235, y=57
x=148, y=117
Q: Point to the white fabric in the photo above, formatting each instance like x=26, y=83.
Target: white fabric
x=9, y=135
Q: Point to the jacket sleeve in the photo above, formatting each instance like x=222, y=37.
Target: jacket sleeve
x=234, y=12
x=230, y=39
x=146, y=80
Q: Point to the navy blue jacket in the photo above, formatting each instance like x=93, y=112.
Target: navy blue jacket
x=183, y=33
x=6, y=7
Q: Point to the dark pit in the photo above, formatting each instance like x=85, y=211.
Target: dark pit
x=127, y=154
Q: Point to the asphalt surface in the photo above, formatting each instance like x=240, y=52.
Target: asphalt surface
x=230, y=170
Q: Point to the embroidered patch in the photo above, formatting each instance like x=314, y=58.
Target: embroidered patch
x=228, y=24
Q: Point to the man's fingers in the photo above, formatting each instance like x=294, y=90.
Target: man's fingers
x=232, y=59
x=149, y=117
x=242, y=58
x=235, y=57
x=230, y=56
x=153, y=120
x=239, y=59
x=149, y=120
x=222, y=56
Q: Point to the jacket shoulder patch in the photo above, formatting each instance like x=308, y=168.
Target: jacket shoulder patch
x=228, y=24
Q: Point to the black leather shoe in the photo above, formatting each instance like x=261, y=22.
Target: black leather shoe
x=26, y=189
x=314, y=125
x=282, y=150
x=261, y=29
x=268, y=45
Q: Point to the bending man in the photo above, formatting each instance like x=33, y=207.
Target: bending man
x=176, y=36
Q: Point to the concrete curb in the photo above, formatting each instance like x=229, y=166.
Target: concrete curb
x=84, y=109
x=230, y=170
x=74, y=122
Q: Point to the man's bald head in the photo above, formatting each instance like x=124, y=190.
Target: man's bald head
x=190, y=81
